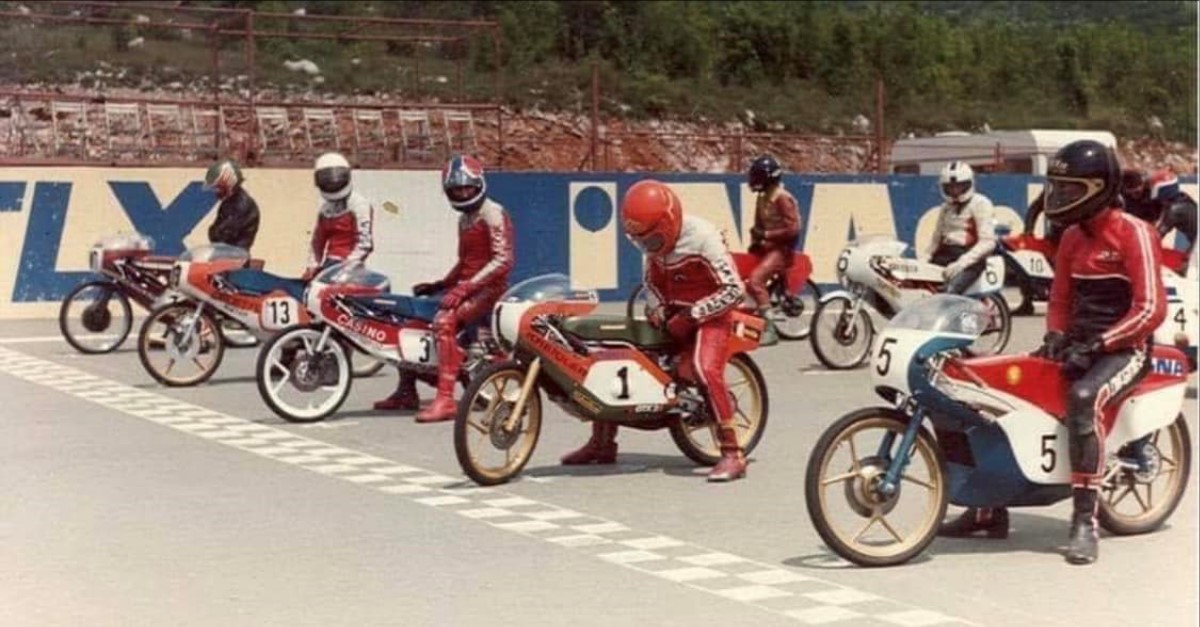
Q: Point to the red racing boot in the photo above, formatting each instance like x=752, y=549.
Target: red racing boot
x=404, y=398
x=601, y=448
x=733, y=464
x=450, y=355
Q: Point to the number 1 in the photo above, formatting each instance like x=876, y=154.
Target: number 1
x=623, y=375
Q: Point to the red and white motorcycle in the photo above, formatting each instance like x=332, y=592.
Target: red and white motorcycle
x=879, y=480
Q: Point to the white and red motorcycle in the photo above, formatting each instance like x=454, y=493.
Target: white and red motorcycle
x=879, y=282
x=879, y=479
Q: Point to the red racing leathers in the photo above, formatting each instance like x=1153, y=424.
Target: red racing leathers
x=478, y=279
x=692, y=291
x=1107, y=295
x=773, y=239
x=343, y=231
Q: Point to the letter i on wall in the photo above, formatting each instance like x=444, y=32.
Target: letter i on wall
x=593, y=238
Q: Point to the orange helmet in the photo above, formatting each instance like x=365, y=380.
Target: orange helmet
x=652, y=216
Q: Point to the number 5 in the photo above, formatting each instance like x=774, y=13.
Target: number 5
x=884, y=362
x=1049, y=450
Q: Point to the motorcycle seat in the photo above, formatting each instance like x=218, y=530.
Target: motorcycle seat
x=400, y=305
x=260, y=283
x=617, y=328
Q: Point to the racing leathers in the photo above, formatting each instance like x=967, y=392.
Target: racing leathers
x=470, y=291
x=964, y=238
x=773, y=239
x=237, y=219
x=692, y=292
x=344, y=232
x=1178, y=214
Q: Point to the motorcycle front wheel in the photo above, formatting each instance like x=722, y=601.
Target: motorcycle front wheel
x=854, y=517
x=95, y=318
x=176, y=336
x=489, y=449
x=841, y=339
x=298, y=382
x=748, y=392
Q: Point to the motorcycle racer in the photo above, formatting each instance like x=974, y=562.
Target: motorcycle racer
x=775, y=233
x=1157, y=199
x=966, y=231
x=237, y=216
x=469, y=290
x=1106, y=300
x=693, y=289
x=344, y=230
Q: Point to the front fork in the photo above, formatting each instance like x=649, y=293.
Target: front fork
x=895, y=469
x=531, y=375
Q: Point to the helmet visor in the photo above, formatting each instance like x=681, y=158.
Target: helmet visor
x=462, y=193
x=332, y=180
x=1063, y=194
x=650, y=243
x=956, y=189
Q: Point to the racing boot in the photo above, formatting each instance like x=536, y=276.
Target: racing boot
x=601, y=448
x=1084, y=547
x=770, y=336
x=994, y=521
x=733, y=464
x=443, y=406
x=404, y=398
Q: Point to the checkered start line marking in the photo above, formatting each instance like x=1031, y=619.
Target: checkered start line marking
x=781, y=591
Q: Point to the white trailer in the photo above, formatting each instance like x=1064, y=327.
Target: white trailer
x=1016, y=152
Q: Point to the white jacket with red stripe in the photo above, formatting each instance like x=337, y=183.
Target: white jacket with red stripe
x=972, y=226
x=344, y=231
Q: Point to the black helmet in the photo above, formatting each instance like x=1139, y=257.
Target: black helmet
x=764, y=171
x=1083, y=179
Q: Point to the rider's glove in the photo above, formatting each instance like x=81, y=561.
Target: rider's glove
x=681, y=325
x=454, y=297
x=426, y=289
x=1052, y=346
x=1079, y=357
x=656, y=316
x=309, y=273
x=757, y=234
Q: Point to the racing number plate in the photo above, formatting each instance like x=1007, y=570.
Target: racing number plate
x=279, y=312
x=416, y=346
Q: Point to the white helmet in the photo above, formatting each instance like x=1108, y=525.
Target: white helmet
x=332, y=176
x=957, y=182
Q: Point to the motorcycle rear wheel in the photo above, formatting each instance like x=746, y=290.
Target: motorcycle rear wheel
x=699, y=442
x=1151, y=508
x=479, y=429
x=851, y=482
x=793, y=320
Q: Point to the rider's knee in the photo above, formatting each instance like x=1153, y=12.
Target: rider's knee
x=1081, y=401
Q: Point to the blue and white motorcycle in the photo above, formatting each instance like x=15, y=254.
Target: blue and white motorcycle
x=983, y=432
x=878, y=282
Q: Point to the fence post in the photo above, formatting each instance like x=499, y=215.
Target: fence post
x=215, y=36
x=595, y=115
x=880, y=147
x=250, y=44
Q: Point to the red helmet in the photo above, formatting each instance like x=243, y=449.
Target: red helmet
x=652, y=216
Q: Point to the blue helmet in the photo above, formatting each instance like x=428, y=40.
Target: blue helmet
x=763, y=172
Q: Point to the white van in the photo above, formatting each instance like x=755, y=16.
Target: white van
x=1015, y=152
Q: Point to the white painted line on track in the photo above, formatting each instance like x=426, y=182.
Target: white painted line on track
x=780, y=591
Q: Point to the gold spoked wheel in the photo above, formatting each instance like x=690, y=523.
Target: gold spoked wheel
x=748, y=392
x=180, y=346
x=491, y=448
x=853, y=515
x=1142, y=492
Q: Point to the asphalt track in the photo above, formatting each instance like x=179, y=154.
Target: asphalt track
x=126, y=503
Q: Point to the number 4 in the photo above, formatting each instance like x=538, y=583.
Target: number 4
x=1181, y=319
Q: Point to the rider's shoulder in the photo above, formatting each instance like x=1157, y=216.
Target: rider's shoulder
x=356, y=202
x=492, y=211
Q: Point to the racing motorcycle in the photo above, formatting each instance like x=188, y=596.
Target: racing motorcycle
x=793, y=295
x=97, y=316
x=303, y=373
x=1028, y=260
x=611, y=368
x=879, y=282
x=182, y=342
x=983, y=432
